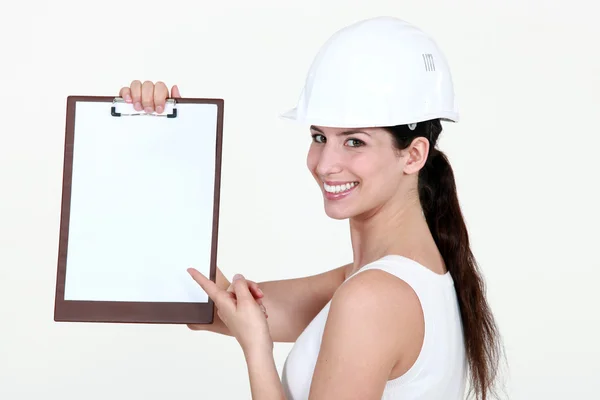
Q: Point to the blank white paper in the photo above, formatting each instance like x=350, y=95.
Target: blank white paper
x=141, y=204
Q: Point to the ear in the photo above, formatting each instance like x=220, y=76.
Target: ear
x=417, y=153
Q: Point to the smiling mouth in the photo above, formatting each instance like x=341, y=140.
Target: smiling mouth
x=339, y=189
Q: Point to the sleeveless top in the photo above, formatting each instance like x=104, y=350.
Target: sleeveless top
x=439, y=371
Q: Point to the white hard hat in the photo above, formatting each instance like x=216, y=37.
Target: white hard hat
x=377, y=72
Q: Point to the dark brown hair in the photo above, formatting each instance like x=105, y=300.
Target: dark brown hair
x=439, y=200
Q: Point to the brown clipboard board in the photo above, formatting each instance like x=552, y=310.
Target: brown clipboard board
x=79, y=308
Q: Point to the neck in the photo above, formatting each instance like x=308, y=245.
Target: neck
x=389, y=229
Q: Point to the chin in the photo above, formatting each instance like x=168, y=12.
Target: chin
x=338, y=213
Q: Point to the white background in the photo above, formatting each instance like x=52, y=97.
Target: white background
x=527, y=77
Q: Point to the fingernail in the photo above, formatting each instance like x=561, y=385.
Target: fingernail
x=128, y=98
x=148, y=110
x=236, y=277
x=138, y=106
x=260, y=291
x=159, y=109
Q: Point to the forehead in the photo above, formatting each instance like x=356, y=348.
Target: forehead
x=327, y=130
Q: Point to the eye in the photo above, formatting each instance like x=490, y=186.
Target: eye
x=318, y=138
x=356, y=142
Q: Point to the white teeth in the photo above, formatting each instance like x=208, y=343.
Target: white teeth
x=339, y=188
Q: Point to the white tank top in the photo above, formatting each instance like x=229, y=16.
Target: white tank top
x=440, y=369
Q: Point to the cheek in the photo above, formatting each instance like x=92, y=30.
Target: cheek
x=367, y=166
x=379, y=174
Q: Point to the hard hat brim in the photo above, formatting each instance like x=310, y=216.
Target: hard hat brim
x=292, y=114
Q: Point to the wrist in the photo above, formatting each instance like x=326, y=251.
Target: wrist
x=258, y=353
x=265, y=382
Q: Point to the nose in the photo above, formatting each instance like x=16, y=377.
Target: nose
x=330, y=160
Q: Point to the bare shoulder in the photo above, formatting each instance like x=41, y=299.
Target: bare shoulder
x=374, y=326
x=378, y=295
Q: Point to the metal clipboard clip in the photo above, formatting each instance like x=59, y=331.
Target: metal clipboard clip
x=121, y=108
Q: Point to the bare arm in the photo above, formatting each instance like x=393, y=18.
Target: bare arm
x=374, y=331
x=291, y=303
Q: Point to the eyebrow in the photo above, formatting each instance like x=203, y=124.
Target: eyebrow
x=343, y=133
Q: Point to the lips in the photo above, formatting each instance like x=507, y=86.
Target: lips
x=338, y=190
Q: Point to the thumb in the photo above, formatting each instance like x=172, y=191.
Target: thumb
x=241, y=289
x=175, y=92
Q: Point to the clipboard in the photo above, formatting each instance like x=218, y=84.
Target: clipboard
x=140, y=205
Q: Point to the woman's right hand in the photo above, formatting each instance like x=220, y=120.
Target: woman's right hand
x=224, y=283
x=256, y=293
x=148, y=96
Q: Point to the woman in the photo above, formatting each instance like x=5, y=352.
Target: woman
x=408, y=318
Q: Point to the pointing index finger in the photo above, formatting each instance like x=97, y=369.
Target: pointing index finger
x=211, y=289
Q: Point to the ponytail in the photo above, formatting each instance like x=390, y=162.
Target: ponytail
x=438, y=197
